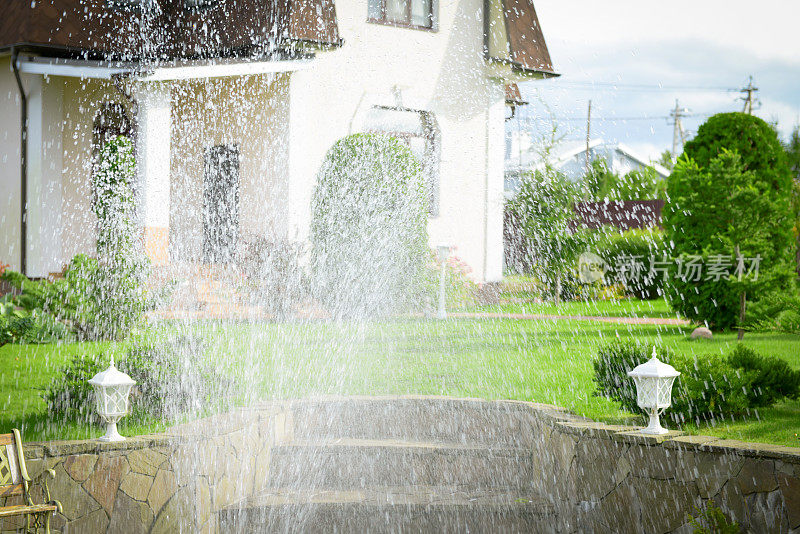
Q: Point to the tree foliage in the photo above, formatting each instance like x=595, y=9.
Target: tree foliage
x=368, y=229
x=542, y=214
x=724, y=203
x=604, y=184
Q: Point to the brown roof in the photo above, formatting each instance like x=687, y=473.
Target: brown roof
x=527, y=47
x=513, y=96
x=172, y=30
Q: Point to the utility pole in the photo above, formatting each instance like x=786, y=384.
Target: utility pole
x=588, y=129
x=749, y=99
x=678, y=133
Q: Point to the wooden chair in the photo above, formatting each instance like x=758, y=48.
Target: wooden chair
x=15, y=483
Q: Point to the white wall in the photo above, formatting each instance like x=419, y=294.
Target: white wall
x=442, y=72
x=250, y=112
x=9, y=166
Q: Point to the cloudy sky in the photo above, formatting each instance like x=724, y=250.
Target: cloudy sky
x=633, y=58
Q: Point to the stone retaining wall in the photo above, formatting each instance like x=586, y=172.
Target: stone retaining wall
x=606, y=478
x=165, y=483
x=600, y=478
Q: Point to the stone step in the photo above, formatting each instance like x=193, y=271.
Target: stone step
x=464, y=421
x=354, y=464
x=390, y=509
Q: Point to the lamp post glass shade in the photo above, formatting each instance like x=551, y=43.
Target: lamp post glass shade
x=111, y=391
x=654, y=380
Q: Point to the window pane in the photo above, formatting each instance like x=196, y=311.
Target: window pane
x=394, y=121
x=421, y=13
x=374, y=10
x=396, y=10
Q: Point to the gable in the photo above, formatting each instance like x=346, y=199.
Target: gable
x=513, y=35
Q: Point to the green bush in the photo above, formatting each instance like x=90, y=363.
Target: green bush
x=540, y=219
x=751, y=137
x=604, y=184
x=79, y=304
x=717, y=208
x=708, y=388
x=777, y=312
x=171, y=379
x=611, y=368
x=768, y=379
x=710, y=519
x=626, y=252
x=368, y=228
x=69, y=397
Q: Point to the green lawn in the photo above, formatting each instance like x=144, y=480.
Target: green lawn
x=545, y=361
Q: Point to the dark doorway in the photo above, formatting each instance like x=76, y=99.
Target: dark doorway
x=220, y=203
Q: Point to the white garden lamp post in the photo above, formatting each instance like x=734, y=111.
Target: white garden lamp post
x=111, y=390
x=654, y=380
x=444, y=253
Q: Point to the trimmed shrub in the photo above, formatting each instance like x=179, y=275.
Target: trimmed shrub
x=171, y=379
x=768, y=379
x=715, y=211
x=368, y=228
x=708, y=388
x=752, y=138
x=611, y=368
x=540, y=220
x=628, y=256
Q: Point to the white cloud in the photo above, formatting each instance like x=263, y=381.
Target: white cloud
x=767, y=29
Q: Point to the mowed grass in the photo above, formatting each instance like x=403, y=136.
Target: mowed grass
x=546, y=361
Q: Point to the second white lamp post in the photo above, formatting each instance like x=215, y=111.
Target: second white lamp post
x=654, y=380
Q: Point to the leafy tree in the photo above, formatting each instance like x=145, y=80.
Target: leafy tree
x=368, y=228
x=542, y=213
x=724, y=207
x=666, y=159
x=601, y=183
x=792, y=147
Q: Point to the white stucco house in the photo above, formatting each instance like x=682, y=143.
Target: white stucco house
x=232, y=106
x=569, y=157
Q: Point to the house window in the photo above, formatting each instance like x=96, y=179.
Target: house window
x=420, y=131
x=419, y=14
x=112, y=120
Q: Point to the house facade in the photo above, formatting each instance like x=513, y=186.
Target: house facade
x=232, y=106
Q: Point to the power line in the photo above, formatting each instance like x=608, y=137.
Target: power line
x=632, y=87
x=639, y=118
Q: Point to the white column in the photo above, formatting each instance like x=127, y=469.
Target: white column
x=44, y=177
x=493, y=211
x=154, y=123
